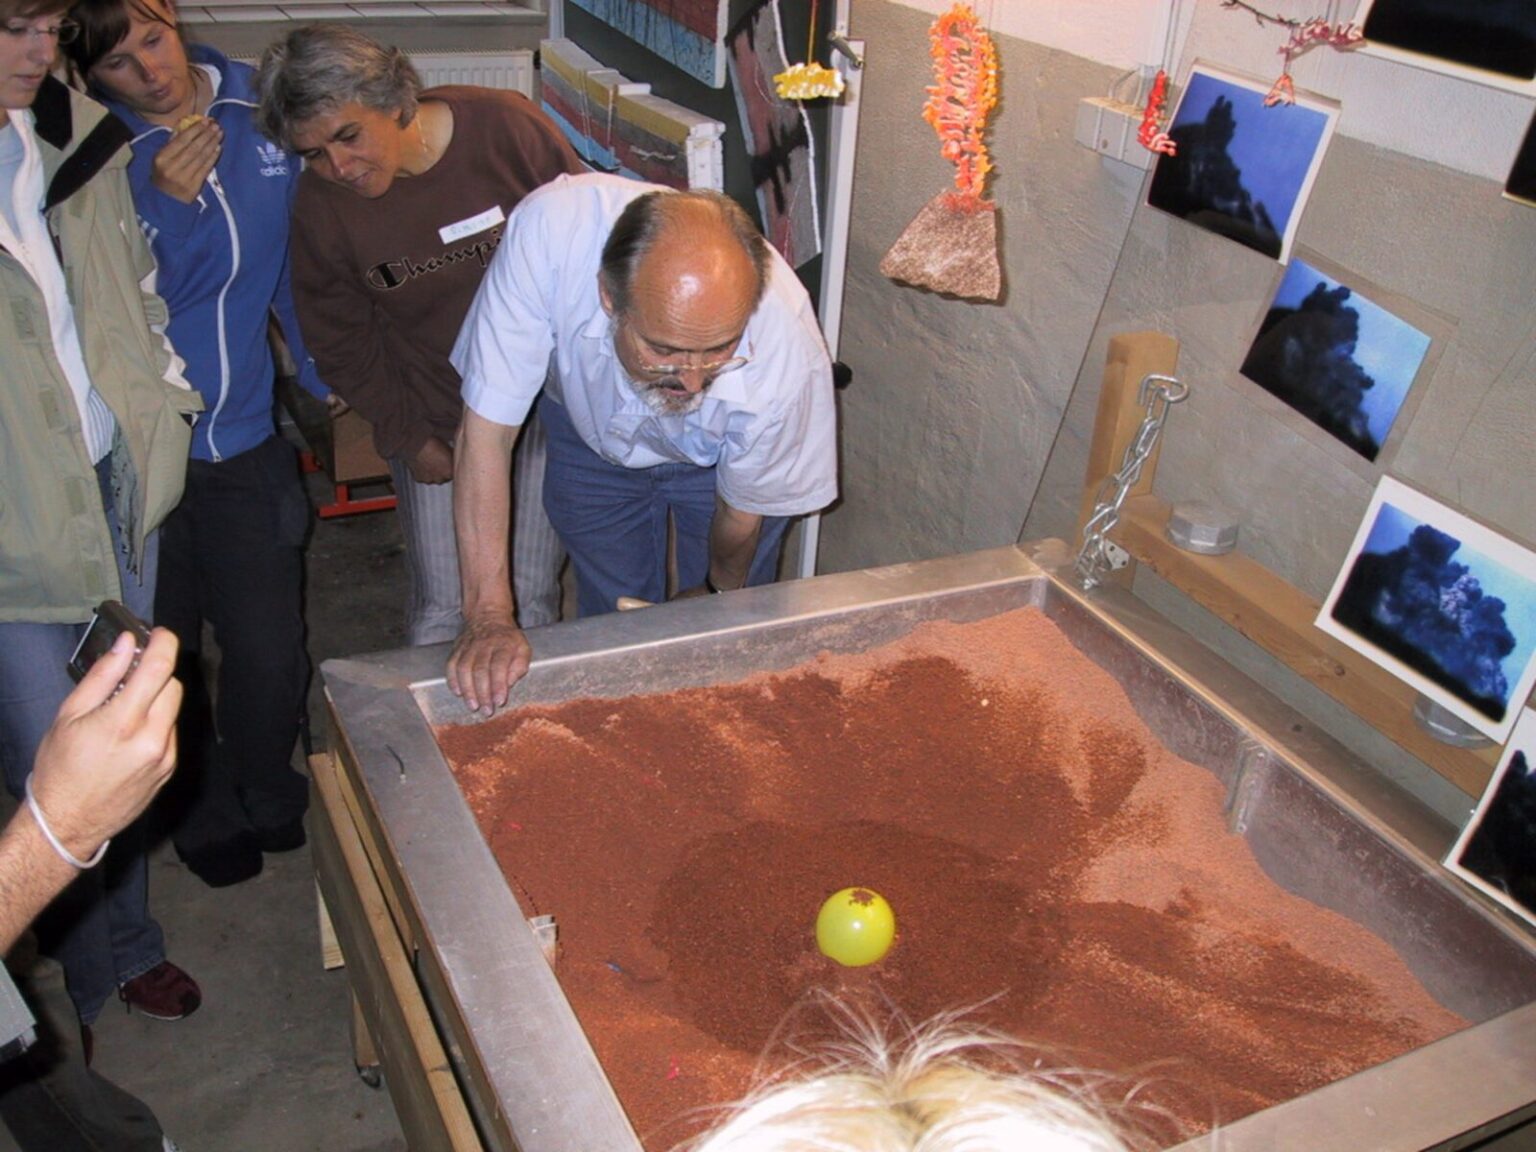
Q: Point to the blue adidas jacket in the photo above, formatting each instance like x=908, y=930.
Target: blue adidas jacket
x=223, y=263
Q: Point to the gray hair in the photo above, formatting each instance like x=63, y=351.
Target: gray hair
x=644, y=221
x=317, y=69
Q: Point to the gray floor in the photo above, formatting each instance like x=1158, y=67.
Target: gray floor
x=266, y=1062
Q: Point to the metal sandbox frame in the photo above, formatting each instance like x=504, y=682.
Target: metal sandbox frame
x=1320, y=823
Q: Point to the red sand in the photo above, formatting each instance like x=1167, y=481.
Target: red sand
x=1045, y=857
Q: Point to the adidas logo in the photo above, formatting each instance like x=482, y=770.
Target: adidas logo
x=274, y=161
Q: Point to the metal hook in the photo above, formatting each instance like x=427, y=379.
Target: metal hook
x=1172, y=388
x=839, y=41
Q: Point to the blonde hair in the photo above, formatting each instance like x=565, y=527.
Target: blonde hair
x=937, y=1087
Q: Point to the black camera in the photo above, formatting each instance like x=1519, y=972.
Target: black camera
x=110, y=621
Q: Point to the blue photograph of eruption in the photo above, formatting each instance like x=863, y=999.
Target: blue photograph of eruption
x=1497, y=849
x=1241, y=169
x=1443, y=603
x=1337, y=358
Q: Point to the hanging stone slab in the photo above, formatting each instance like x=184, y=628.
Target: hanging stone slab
x=950, y=247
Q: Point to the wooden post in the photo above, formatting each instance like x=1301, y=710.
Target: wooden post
x=365, y=1054
x=1132, y=357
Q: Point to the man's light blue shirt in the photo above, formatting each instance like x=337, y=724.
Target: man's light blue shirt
x=537, y=322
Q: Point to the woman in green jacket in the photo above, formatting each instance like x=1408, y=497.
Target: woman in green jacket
x=94, y=429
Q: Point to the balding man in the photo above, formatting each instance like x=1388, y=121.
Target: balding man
x=680, y=373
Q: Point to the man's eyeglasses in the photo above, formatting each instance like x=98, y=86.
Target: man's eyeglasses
x=64, y=32
x=714, y=368
x=711, y=369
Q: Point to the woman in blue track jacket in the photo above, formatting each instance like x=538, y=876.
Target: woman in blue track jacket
x=213, y=198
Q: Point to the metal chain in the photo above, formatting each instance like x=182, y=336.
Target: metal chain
x=1158, y=393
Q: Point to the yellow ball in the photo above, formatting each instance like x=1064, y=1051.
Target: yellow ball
x=855, y=927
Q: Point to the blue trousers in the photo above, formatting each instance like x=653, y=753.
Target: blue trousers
x=99, y=929
x=613, y=521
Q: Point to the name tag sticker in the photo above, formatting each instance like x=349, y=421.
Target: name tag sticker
x=470, y=225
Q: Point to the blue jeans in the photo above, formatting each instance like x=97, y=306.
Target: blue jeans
x=50, y=1101
x=613, y=521
x=99, y=929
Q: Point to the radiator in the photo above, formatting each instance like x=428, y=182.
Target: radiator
x=511, y=69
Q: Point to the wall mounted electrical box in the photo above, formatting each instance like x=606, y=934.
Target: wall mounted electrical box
x=1109, y=127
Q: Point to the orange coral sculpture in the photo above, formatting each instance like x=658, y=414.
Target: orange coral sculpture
x=963, y=93
x=951, y=246
x=1152, y=135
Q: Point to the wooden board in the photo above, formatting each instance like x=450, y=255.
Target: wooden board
x=1278, y=617
x=343, y=444
x=616, y=121
x=330, y=948
x=421, y=1082
x=1240, y=591
x=474, y=1097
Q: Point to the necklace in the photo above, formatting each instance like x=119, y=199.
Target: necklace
x=421, y=138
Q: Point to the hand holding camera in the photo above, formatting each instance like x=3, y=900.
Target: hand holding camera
x=112, y=745
x=110, y=621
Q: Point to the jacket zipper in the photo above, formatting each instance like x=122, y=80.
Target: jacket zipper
x=234, y=268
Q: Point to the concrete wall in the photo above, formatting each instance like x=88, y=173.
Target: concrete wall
x=963, y=416
x=955, y=405
x=1121, y=33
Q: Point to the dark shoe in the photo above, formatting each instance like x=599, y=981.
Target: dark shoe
x=226, y=862
x=282, y=837
x=165, y=992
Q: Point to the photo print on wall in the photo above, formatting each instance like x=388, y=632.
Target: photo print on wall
x=1242, y=168
x=1336, y=356
x=1441, y=602
x=1496, y=851
x=1488, y=41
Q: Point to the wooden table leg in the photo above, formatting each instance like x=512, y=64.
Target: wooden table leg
x=365, y=1056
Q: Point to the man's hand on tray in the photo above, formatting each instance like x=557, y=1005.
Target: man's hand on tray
x=490, y=655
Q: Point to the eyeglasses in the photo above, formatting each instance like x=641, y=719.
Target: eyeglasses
x=711, y=369
x=714, y=368
x=64, y=32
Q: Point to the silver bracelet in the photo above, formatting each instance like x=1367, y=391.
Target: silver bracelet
x=53, y=841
